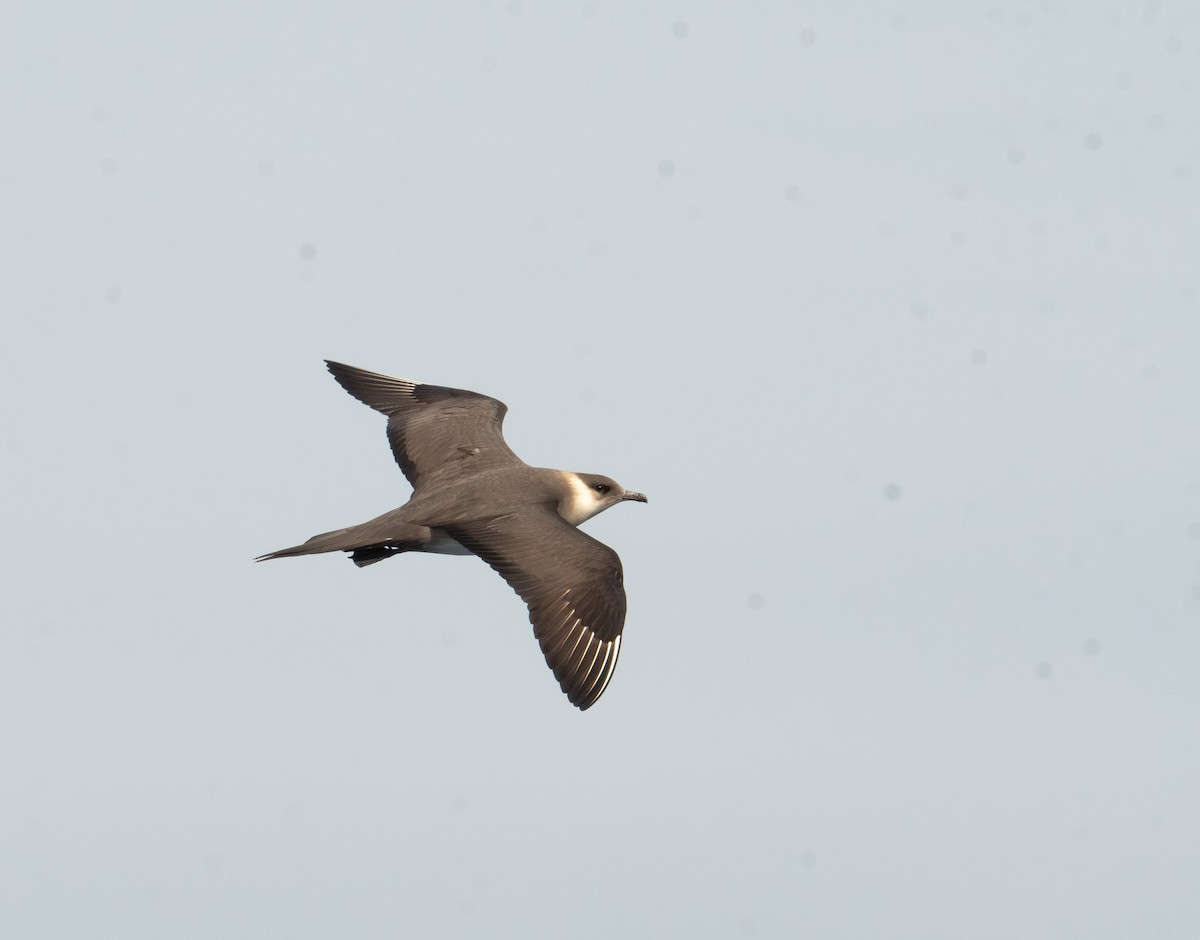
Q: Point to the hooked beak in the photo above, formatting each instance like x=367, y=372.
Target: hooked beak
x=636, y=497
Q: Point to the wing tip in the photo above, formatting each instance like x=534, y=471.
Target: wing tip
x=382, y=392
x=581, y=692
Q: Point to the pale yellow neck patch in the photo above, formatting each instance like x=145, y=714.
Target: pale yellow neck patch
x=581, y=502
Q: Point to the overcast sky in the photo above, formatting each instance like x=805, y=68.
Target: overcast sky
x=893, y=311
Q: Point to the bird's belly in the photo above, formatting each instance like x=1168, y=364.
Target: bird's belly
x=441, y=544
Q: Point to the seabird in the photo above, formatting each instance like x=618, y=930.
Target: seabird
x=473, y=496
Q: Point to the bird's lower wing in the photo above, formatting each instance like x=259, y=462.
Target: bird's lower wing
x=573, y=586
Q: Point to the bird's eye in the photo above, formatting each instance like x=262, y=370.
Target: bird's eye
x=600, y=487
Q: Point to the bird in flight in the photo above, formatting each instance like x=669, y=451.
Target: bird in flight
x=473, y=496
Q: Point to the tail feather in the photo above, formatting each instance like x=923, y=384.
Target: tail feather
x=368, y=556
x=338, y=540
x=366, y=546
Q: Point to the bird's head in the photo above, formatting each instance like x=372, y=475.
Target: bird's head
x=591, y=493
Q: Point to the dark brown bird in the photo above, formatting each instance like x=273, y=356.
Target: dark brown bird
x=473, y=496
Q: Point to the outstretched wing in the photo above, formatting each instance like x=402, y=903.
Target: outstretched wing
x=573, y=586
x=432, y=430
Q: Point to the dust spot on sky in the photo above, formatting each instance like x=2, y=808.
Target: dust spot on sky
x=979, y=357
x=755, y=600
x=680, y=29
x=308, y=251
x=1091, y=646
x=666, y=169
x=892, y=492
x=1044, y=670
x=1093, y=141
x=1016, y=155
x=807, y=37
x=112, y=295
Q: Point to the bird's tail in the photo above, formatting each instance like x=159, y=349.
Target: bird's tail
x=365, y=543
x=339, y=540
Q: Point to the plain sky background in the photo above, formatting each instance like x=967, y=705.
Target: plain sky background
x=893, y=310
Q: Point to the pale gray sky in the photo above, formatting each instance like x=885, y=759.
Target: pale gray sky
x=893, y=310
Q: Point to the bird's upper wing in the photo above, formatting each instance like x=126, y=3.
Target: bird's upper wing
x=573, y=585
x=432, y=430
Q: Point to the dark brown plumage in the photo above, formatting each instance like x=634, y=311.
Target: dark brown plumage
x=473, y=495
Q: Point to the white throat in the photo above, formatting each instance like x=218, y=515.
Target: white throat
x=581, y=502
